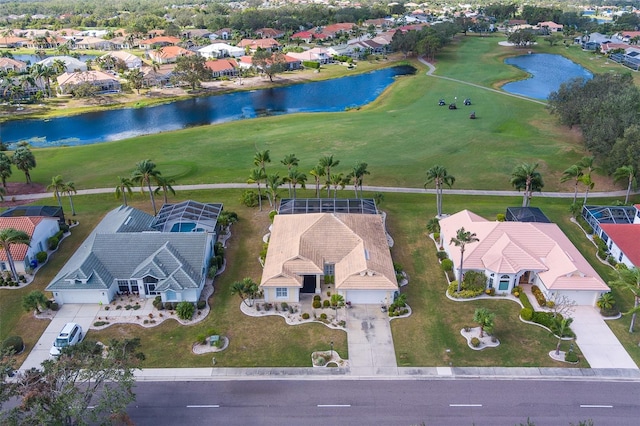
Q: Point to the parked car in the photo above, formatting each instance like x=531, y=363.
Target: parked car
x=70, y=335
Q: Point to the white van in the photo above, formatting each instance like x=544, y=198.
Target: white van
x=70, y=334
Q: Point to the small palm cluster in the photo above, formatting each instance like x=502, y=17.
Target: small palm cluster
x=295, y=177
x=60, y=187
x=144, y=175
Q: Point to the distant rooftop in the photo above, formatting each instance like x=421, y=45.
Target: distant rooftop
x=327, y=205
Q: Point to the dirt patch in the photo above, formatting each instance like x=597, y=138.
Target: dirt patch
x=17, y=188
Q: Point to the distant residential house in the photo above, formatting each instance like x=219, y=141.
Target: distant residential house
x=130, y=60
x=378, y=23
x=221, y=34
x=619, y=228
x=306, y=36
x=156, y=42
x=13, y=42
x=517, y=253
x=292, y=63
x=157, y=77
x=35, y=211
x=195, y=33
x=45, y=42
x=133, y=252
x=223, y=68
x=93, y=43
x=317, y=54
x=606, y=48
x=628, y=36
x=551, y=27
x=103, y=82
x=120, y=43
x=335, y=29
x=367, y=46
x=267, y=44
x=71, y=64
x=39, y=229
x=269, y=33
x=168, y=54
x=8, y=64
x=220, y=50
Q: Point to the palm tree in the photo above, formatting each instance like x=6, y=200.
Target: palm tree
x=9, y=237
x=589, y=184
x=563, y=326
x=327, y=162
x=273, y=182
x=588, y=165
x=317, y=172
x=124, y=187
x=629, y=279
x=143, y=174
x=439, y=175
x=69, y=188
x=525, y=176
x=357, y=175
x=294, y=178
x=246, y=289
x=461, y=239
x=606, y=302
x=572, y=173
x=164, y=185
x=56, y=185
x=290, y=161
x=24, y=160
x=261, y=159
x=628, y=173
x=433, y=227
x=5, y=168
x=484, y=318
x=256, y=176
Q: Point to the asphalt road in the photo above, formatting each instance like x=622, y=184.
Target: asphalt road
x=390, y=403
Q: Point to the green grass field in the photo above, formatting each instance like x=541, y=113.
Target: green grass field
x=400, y=135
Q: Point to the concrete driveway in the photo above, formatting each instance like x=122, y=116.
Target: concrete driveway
x=371, y=351
x=597, y=342
x=82, y=314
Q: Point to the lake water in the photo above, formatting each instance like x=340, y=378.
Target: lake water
x=32, y=59
x=323, y=96
x=547, y=71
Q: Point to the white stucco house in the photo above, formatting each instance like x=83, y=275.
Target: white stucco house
x=39, y=229
x=523, y=253
x=352, y=248
x=133, y=252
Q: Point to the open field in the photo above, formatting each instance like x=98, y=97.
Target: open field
x=400, y=135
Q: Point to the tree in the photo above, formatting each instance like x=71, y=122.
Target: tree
x=587, y=165
x=143, y=174
x=273, y=182
x=5, y=168
x=191, y=69
x=24, y=160
x=247, y=289
x=124, y=187
x=8, y=238
x=327, y=162
x=525, y=177
x=261, y=158
x=627, y=173
x=562, y=327
x=461, y=239
x=484, y=318
x=294, y=178
x=573, y=173
x=317, y=172
x=135, y=78
x=629, y=279
x=589, y=184
x=439, y=175
x=290, y=161
x=70, y=189
x=56, y=185
x=606, y=302
x=34, y=301
x=357, y=176
x=87, y=384
x=164, y=185
x=256, y=176
x=270, y=63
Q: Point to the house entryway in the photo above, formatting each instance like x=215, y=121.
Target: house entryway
x=308, y=284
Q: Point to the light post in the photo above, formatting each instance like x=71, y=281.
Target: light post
x=332, y=350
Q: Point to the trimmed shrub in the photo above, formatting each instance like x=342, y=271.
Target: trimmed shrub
x=249, y=198
x=323, y=316
x=305, y=316
x=201, y=304
x=475, y=342
x=311, y=64
x=14, y=343
x=436, y=236
x=285, y=306
x=100, y=323
x=157, y=301
x=52, y=243
x=490, y=291
x=526, y=314
x=463, y=294
x=201, y=338
x=442, y=255
x=447, y=265
x=54, y=306
x=397, y=268
x=316, y=297
x=544, y=318
x=41, y=256
x=326, y=303
x=500, y=217
x=317, y=304
x=185, y=310
x=571, y=357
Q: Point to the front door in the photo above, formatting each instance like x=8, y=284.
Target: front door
x=309, y=284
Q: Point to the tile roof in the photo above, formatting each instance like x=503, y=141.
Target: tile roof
x=626, y=237
x=27, y=224
x=511, y=247
x=221, y=65
x=302, y=243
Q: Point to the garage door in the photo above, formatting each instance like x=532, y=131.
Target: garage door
x=581, y=297
x=366, y=297
x=82, y=297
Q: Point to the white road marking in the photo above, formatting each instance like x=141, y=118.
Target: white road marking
x=203, y=406
x=333, y=405
x=465, y=405
x=595, y=406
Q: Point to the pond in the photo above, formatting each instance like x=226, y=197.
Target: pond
x=101, y=126
x=32, y=59
x=547, y=71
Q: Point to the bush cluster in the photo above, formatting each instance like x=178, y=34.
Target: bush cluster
x=311, y=64
x=201, y=304
x=464, y=293
x=185, y=310
x=249, y=198
x=537, y=293
x=442, y=255
x=545, y=318
x=475, y=342
x=526, y=314
x=305, y=316
x=571, y=356
x=447, y=265
x=41, y=257
x=100, y=323
x=602, y=247
x=13, y=343
x=317, y=304
x=326, y=303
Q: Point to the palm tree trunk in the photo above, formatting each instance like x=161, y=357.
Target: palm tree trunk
x=586, y=195
x=626, y=198
x=460, y=272
x=12, y=266
x=73, y=210
x=633, y=317
x=153, y=200
x=124, y=197
x=294, y=192
x=575, y=193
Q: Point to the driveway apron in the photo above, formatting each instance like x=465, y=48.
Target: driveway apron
x=371, y=350
x=597, y=342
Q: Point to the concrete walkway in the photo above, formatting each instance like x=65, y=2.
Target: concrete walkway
x=82, y=314
x=597, y=342
x=371, y=350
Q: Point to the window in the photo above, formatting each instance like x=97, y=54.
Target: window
x=282, y=292
x=504, y=283
x=170, y=295
x=620, y=257
x=329, y=269
x=123, y=286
